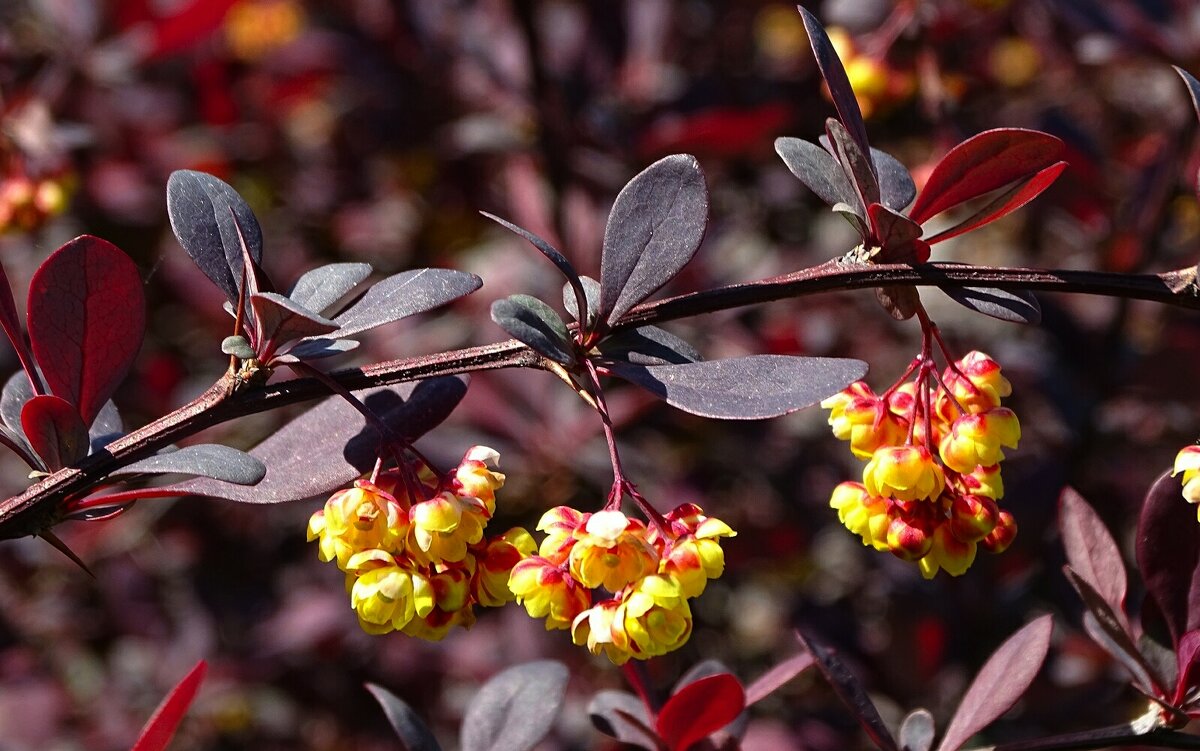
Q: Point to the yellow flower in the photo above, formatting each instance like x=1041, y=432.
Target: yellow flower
x=611, y=551
x=906, y=473
x=975, y=440
x=981, y=481
x=693, y=555
x=1187, y=461
x=972, y=517
x=652, y=619
x=559, y=524
x=947, y=553
x=862, y=513
x=548, y=591
x=451, y=588
x=360, y=518
x=909, y=536
x=597, y=628
x=445, y=525
x=978, y=389
x=473, y=478
x=386, y=595
x=494, y=564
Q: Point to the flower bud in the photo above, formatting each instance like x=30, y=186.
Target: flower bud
x=972, y=517
x=1002, y=535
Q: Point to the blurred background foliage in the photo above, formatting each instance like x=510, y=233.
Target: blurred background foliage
x=375, y=130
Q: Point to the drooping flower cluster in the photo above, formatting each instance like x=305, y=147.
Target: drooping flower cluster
x=621, y=586
x=413, y=546
x=932, y=477
x=1187, y=461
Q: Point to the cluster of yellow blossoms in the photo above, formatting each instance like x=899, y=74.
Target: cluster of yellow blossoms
x=414, y=551
x=1187, y=461
x=622, y=587
x=933, y=453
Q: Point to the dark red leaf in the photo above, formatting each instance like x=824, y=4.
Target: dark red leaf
x=160, y=728
x=766, y=684
x=414, y=735
x=621, y=715
x=321, y=287
x=700, y=709
x=558, y=259
x=279, y=320
x=402, y=295
x=896, y=187
x=212, y=222
x=984, y=163
x=850, y=691
x=529, y=320
x=1111, y=631
x=1007, y=202
x=1187, y=661
x=12, y=329
x=835, y=78
x=897, y=236
x=86, y=320
x=1008, y=672
x=1168, y=550
x=1092, y=552
x=54, y=431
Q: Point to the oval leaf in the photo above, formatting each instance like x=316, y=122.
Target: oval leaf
x=516, y=708
x=621, y=715
x=330, y=445
x=917, y=730
x=817, y=169
x=160, y=728
x=17, y=391
x=87, y=317
x=558, y=259
x=12, y=326
x=744, y=388
x=1014, y=306
x=591, y=294
x=653, y=230
x=1108, y=629
x=897, y=236
x=1091, y=550
x=1021, y=193
x=320, y=288
x=413, y=733
x=835, y=78
x=1168, y=550
x=54, y=431
x=210, y=220
x=1005, y=676
x=210, y=460
x=648, y=345
x=700, y=709
x=983, y=163
x=896, y=187
x=850, y=691
x=854, y=161
x=405, y=294
x=533, y=322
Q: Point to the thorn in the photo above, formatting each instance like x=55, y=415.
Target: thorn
x=61, y=547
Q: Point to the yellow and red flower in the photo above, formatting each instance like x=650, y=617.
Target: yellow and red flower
x=1187, y=461
x=906, y=473
x=611, y=551
x=547, y=590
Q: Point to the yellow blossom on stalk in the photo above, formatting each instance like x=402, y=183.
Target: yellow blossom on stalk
x=559, y=524
x=985, y=481
x=385, y=594
x=980, y=386
x=598, y=629
x=547, y=590
x=863, y=514
x=976, y=439
x=474, y=479
x=653, y=618
x=360, y=518
x=1187, y=461
x=1001, y=535
x=972, y=517
x=695, y=555
x=910, y=535
x=906, y=473
x=451, y=590
x=837, y=404
x=947, y=553
x=494, y=563
x=611, y=551
x=445, y=525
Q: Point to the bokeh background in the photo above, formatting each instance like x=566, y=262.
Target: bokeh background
x=376, y=130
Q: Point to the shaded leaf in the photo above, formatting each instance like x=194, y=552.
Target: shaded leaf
x=206, y=214
x=87, y=317
x=1159, y=658
x=981, y=164
x=533, y=322
x=773, y=679
x=899, y=301
x=16, y=392
x=413, y=733
x=315, y=349
x=817, y=169
x=653, y=230
x=621, y=715
x=835, y=78
x=1193, y=87
x=54, y=431
x=917, y=731
x=896, y=234
x=160, y=728
x=12, y=326
x=1014, y=306
x=896, y=187
x=516, y=708
x=855, y=161
x=560, y=261
x=850, y=691
x=744, y=388
x=1004, y=677
x=1109, y=629
x=1168, y=550
x=591, y=293
x=278, y=320
x=1092, y=552
x=648, y=345
x=330, y=445
x=700, y=709
x=320, y=288
x=405, y=294
x=1021, y=193
x=209, y=460
x=1188, y=662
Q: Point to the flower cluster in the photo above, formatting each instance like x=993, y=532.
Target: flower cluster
x=27, y=203
x=1187, y=461
x=413, y=547
x=932, y=474
x=621, y=586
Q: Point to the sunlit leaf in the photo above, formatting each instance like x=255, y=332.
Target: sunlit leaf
x=700, y=709
x=591, y=293
x=320, y=288
x=412, y=731
x=653, y=230
x=1021, y=193
x=12, y=326
x=206, y=214
x=210, y=460
x=54, y=431
x=1014, y=306
x=835, y=78
x=279, y=319
x=161, y=726
x=533, y=322
x=648, y=345
x=516, y=708
x=1168, y=550
x=817, y=169
x=770, y=681
x=1091, y=550
x=621, y=715
x=405, y=294
x=855, y=160
x=558, y=259
x=896, y=187
x=1110, y=630
x=850, y=691
x=917, y=731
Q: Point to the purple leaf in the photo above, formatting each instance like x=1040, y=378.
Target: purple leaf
x=1014, y=306
x=86, y=320
x=983, y=163
x=1187, y=663
x=516, y=708
x=648, y=345
x=160, y=728
x=320, y=288
x=413, y=733
x=12, y=327
x=653, y=230
x=744, y=388
x=16, y=392
x=621, y=715
x=855, y=161
x=107, y=427
x=315, y=349
x=1008, y=672
x=405, y=294
x=896, y=187
x=1193, y=87
x=850, y=691
x=1168, y=550
x=817, y=169
x=206, y=214
x=899, y=301
x=835, y=78
x=1021, y=193
x=279, y=320
x=897, y=236
x=773, y=679
x=1110, y=630
x=54, y=431
x=210, y=460
x=700, y=709
x=1092, y=552
x=591, y=294
x=330, y=445
x=917, y=731
x=558, y=259
x=533, y=322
